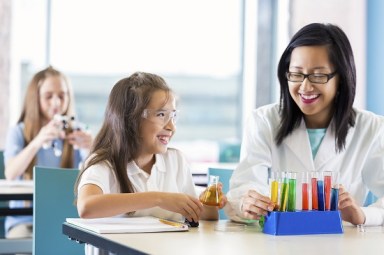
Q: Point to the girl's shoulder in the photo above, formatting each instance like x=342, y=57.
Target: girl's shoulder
x=17, y=128
x=172, y=153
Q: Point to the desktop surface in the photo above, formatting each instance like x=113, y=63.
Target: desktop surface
x=206, y=240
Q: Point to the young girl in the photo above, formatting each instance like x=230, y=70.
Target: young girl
x=131, y=170
x=314, y=128
x=48, y=94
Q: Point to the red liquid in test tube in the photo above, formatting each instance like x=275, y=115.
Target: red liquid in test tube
x=327, y=189
x=305, y=195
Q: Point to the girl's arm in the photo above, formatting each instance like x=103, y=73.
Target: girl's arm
x=17, y=165
x=92, y=203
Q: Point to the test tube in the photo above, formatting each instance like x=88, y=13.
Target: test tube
x=320, y=193
x=327, y=189
x=305, y=191
x=274, y=186
x=335, y=192
x=291, y=192
x=314, y=177
x=284, y=193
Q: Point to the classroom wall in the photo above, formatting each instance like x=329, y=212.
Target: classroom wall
x=5, y=37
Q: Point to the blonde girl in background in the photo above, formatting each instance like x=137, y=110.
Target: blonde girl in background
x=49, y=94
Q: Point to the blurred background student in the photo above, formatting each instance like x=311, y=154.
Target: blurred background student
x=46, y=134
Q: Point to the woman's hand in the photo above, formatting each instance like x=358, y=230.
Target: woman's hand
x=255, y=205
x=186, y=205
x=350, y=211
x=80, y=139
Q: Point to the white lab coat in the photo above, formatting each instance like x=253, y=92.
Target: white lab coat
x=360, y=165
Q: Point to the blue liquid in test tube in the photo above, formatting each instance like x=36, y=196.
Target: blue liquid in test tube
x=334, y=199
x=320, y=195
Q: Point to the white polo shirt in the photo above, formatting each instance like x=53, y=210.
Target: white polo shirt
x=170, y=173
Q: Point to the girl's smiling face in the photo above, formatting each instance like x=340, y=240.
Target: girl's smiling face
x=158, y=126
x=316, y=101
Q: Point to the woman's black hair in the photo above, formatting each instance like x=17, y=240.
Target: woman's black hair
x=341, y=56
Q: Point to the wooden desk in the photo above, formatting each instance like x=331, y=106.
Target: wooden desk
x=16, y=190
x=206, y=240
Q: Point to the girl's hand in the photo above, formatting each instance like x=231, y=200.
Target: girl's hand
x=186, y=205
x=255, y=205
x=48, y=133
x=80, y=139
x=350, y=211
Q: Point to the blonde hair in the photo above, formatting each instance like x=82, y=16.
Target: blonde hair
x=33, y=118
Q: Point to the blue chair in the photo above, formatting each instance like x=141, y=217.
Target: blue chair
x=53, y=202
x=2, y=167
x=224, y=176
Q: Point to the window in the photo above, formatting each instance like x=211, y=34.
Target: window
x=196, y=46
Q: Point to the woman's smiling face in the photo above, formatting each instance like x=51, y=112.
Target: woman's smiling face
x=316, y=101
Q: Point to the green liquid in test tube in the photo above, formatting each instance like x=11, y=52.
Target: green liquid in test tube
x=284, y=195
x=292, y=192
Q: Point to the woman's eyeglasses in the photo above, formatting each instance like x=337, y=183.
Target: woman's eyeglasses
x=319, y=78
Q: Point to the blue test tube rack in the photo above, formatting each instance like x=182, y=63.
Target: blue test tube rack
x=303, y=223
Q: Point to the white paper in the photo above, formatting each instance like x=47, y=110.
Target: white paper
x=125, y=225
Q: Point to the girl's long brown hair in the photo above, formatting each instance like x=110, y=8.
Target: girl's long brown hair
x=118, y=141
x=33, y=118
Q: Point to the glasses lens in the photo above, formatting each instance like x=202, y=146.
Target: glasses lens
x=161, y=117
x=295, y=77
x=318, y=78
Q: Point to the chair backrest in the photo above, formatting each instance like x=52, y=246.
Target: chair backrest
x=224, y=176
x=52, y=204
x=2, y=165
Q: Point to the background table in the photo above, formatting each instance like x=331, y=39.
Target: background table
x=15, y=190
x=206, y=240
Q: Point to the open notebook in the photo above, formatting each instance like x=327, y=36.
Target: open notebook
x=128, y=225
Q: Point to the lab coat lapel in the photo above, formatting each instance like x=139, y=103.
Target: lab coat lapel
x=298, y=143
x=327, y=148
